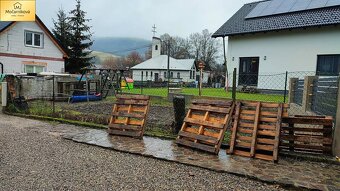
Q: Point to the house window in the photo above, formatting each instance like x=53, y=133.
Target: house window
x=190, y=74
x=193, y=74
x=34, y=69
x=142, y=74
x=156, y=47
x=146, y=74
x=171, y=74
x=33, y=39
x=151, y=74
x=328, y=65
x=178, y=75
x=164, y=74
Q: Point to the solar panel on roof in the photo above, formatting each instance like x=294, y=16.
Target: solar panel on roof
x=317, y=3
x=274, y=7
x=285, y=6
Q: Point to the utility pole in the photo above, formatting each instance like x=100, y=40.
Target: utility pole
x=201, y=66
x=168, y=45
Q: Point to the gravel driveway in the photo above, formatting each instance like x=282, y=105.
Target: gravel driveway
x=33, y=158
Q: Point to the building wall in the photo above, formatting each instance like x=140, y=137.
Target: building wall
x=12, y=42
x=137, y=75
x=291, y=51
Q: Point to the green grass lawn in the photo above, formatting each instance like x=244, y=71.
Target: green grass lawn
x=209, y=92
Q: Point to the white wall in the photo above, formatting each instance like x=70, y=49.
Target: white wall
x=137, y=75
x=12, y=41
x=291, y=51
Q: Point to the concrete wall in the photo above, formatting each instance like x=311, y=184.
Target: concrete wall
x=12, y=41
x=291, y=51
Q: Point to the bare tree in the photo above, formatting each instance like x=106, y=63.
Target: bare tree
x=204, y=48
x=179, y=47
x=133, y=59
x=115, y=63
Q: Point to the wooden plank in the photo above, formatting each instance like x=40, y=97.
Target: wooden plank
x=308, y=139
x=199, y=137
x=266, y=141
x=124, y=133
x=243, y=144
x=265, y=147
x=308, y=147
x=264, y=157
x=277, y=133
x=267, y=119
x=135, y=97
x=249, y=125
x=211, y=134
x=305, y=129
x=248, y=112
x=234, y=131
x=266, y=133
x=210, y=108
x=126, y=127
x=203, y=147
x=204, y=123
x=247, y=117
x=268, y=113
x=243, y=130
x=300, y=120
x=132, y=102
x=220, y=103
x=267, y=127
x=244, y=138
x=190, y=130
x=256, y=124
x=132, y=115
x=242, y=153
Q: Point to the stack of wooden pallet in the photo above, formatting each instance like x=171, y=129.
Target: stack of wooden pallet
x=205, y=124
x=129, y=115
x=307, y=134
x=256, y=130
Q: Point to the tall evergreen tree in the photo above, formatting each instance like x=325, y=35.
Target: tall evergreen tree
x=80, y=41
x=62, y=31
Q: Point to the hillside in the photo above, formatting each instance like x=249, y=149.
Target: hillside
x=119, y=45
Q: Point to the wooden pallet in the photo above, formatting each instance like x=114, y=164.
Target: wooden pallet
x=205, y=124
x=307, y=134
x=129, y=115
x=256, y=130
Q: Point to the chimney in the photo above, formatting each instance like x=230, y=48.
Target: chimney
x=156, y=47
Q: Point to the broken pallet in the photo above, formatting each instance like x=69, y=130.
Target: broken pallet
x=128, y=115
x=205, y=124
x=256, y=130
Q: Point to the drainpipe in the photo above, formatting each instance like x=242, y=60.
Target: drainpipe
x=2, y=68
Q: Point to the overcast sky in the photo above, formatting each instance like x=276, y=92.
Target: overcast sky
x=134, y=18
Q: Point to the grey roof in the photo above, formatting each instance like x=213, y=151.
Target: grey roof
x=238, y=24
x=161, y=63
x=4, y=25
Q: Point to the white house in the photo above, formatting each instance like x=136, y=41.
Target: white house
x=29, y=47
x=275, y=36
x=155, y=69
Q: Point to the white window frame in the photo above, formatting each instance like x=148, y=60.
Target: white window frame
x=33, y=36
x=34, y=68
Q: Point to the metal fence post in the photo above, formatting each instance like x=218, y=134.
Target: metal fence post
x=141, y=86
x=234, y=85
x=285, y=93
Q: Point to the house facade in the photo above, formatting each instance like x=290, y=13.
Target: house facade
x=155, y=69
x=275, y=36
x=29, y=47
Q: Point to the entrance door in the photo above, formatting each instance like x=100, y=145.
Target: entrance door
x=156, y=77
x=248, y=71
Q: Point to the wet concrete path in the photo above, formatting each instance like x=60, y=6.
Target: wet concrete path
x=311, y=175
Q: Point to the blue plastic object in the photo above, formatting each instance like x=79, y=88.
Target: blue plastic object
x=82, y=98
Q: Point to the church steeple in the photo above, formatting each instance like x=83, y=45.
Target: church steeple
x=156, y=46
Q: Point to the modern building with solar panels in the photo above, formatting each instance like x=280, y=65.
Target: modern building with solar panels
x=275, y=36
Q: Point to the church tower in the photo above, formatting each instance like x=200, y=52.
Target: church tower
x=156, y=46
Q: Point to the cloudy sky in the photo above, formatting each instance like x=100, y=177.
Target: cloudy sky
x=134, y=18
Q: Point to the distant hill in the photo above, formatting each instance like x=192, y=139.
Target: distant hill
x=119, y=45
x=100, y=57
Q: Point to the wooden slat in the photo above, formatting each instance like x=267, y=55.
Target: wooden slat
x=256, y=124
x=126, y=127
x=267, y=133
x=199, y=137
x=235, y=129
x=266, y=141
x=265, y=147
x=132, y=115
x=247, y=117
x=204, y=123
x=277, y=133
x=210, y=108
x=220, y=103
x=124, y=133
x=267, y=119
x=244, y=138
x=132, y=102
x=243, y=130
x=264, y=157
x=267, y=127
x=200, y=146
x=242, y=153
x=135, y=97
x=300, y=120
x=308, y=139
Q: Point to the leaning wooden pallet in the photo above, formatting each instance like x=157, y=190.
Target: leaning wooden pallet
x=256, y=129
x=205, y=124
x=128, y=115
